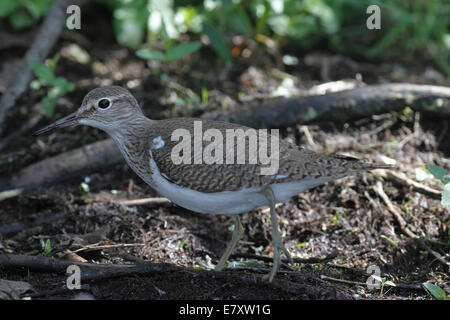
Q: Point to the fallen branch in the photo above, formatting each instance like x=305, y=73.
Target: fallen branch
x=331, y=256
x=379, y=189
x=67, y=165
x=43, y=42
x=340, y=106
x=10, y=229
x=357, y=283
x=135, y=202
x=109, y=246
x=400, y=178
x=10, y=193
x=89, y=271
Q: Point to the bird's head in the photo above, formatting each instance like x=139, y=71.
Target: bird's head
x=105, y=108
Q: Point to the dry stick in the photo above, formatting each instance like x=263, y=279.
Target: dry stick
x=43, y=42
x=47, y=263
x=137, y=202
x=52, y=292
x=154, y=201
x=109, y=246
x=73, y=163
x=379, y=189
x=10, y=229
x=10, y=193
x=89, y=271
x=323, y=277
x=400, y=178
x=340, y=106
x=295, y=260
x=397, y=285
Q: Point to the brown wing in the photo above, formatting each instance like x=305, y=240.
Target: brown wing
x=295, y=163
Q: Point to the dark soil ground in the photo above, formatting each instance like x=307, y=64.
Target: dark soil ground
x=346, y=218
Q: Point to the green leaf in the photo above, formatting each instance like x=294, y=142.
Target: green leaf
x=436, y=291
x=129, y=21
x=218, y=42
x=37, y=8
x=53, y=62
x=438, y=172
x=7, y=7
x=48, y=247
x=445, y=201
x=183, y=50
x=390, y=240
x=20, y=20
x=149, y=54
x=390, y=283
x=48, y=106
x=62, y=85
x=239, y=21
x=326, y=14
x=44, y=74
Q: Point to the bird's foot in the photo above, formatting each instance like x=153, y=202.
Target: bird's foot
x=278, y=246
x=237, y=233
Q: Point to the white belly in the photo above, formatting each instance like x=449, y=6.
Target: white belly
x=226, y=202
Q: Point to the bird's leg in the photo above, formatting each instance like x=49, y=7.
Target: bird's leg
x=277, y=241
x=237, y=234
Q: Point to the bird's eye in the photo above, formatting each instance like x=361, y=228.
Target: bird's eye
x=103, y=103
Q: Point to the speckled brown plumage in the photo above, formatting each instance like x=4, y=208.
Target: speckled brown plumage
x=295, y=163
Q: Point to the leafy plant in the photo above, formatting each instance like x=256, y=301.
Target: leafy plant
x=24, y=13
x=47, y=247
x=383, y=282
x=436, y=291
x=171, y=54
x=443, y=175
x=58, y=86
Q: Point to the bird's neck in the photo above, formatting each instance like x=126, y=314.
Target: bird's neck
x=131, y=130
x=132, y=138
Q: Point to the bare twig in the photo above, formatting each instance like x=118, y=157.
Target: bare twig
x=398, y=285
x=109, y=246
x=379, y=189
x=137, y=202
x=134, y=202
x=11, y=229
x=402, y=179
x=331, y=256
x=10, y=194
x=323, y=277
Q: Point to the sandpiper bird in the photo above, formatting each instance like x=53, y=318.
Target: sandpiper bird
x=222, y=187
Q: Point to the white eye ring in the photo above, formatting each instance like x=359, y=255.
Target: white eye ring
x=104, y=103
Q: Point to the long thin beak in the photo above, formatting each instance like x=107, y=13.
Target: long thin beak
x=71, y=119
